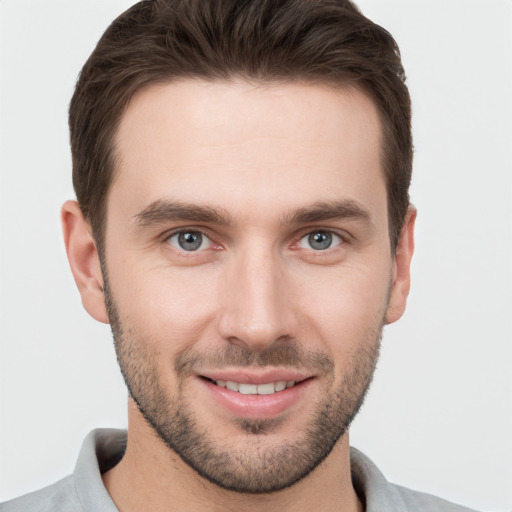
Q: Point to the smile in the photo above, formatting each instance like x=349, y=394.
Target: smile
x=268, y=388
x=256, y=394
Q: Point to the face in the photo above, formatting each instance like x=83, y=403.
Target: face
x=248, y=271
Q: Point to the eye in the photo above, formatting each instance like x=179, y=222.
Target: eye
x=320, y=240
x=189, y=241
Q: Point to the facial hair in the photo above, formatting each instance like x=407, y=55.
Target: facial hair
x=259, y=467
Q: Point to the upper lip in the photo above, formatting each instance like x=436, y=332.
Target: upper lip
x=245, y=376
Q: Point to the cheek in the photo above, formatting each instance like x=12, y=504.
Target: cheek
x=164, y=305
x=346, y=306
x=174, y=308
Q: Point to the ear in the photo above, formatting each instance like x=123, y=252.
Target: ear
x=402, y=269
x=84, y=260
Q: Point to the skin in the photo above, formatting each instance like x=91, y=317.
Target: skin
x=259, y=154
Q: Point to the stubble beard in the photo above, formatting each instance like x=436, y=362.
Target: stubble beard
x=257, y=467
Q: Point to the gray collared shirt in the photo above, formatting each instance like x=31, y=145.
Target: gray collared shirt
x=83, y=491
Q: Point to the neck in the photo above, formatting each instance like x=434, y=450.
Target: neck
x=152, y=477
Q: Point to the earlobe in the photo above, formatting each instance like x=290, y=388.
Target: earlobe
x=84, y=260
x=402, y=269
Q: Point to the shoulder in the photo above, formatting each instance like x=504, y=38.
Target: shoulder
x=383, y=496
x=83, y=490
x=415, y=500
x=60, y=496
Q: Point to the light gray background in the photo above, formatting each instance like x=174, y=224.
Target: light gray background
x=439, y=416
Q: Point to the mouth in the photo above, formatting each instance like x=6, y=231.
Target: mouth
x=266, y=388
x=257, y=395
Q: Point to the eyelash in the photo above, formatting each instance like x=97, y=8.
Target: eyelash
x=169, y=236
x=342, y=240
x=333, y=235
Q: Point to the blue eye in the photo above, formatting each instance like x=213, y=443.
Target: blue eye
x=320, y=240
x=189, y=241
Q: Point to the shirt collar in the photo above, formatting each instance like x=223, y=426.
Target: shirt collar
x=104, y=448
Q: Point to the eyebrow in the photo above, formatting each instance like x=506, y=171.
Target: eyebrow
x=161, y=211
x=329, y=210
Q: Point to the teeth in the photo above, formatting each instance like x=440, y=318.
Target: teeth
x=248, y=389
x=281, y=385
x=256, y=389
x=266, y=389
x=232, y=386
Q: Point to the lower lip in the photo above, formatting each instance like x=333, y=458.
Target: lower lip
x=257, y=406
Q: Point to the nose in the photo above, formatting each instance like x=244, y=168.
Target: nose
x=256, y=305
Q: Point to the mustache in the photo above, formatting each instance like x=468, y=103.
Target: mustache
x=279, y=354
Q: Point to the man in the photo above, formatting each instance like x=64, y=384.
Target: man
x=243, y=223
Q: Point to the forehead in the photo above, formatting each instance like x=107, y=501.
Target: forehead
x=223, y=143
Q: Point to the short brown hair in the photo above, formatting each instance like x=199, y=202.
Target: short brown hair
x=327, y=41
